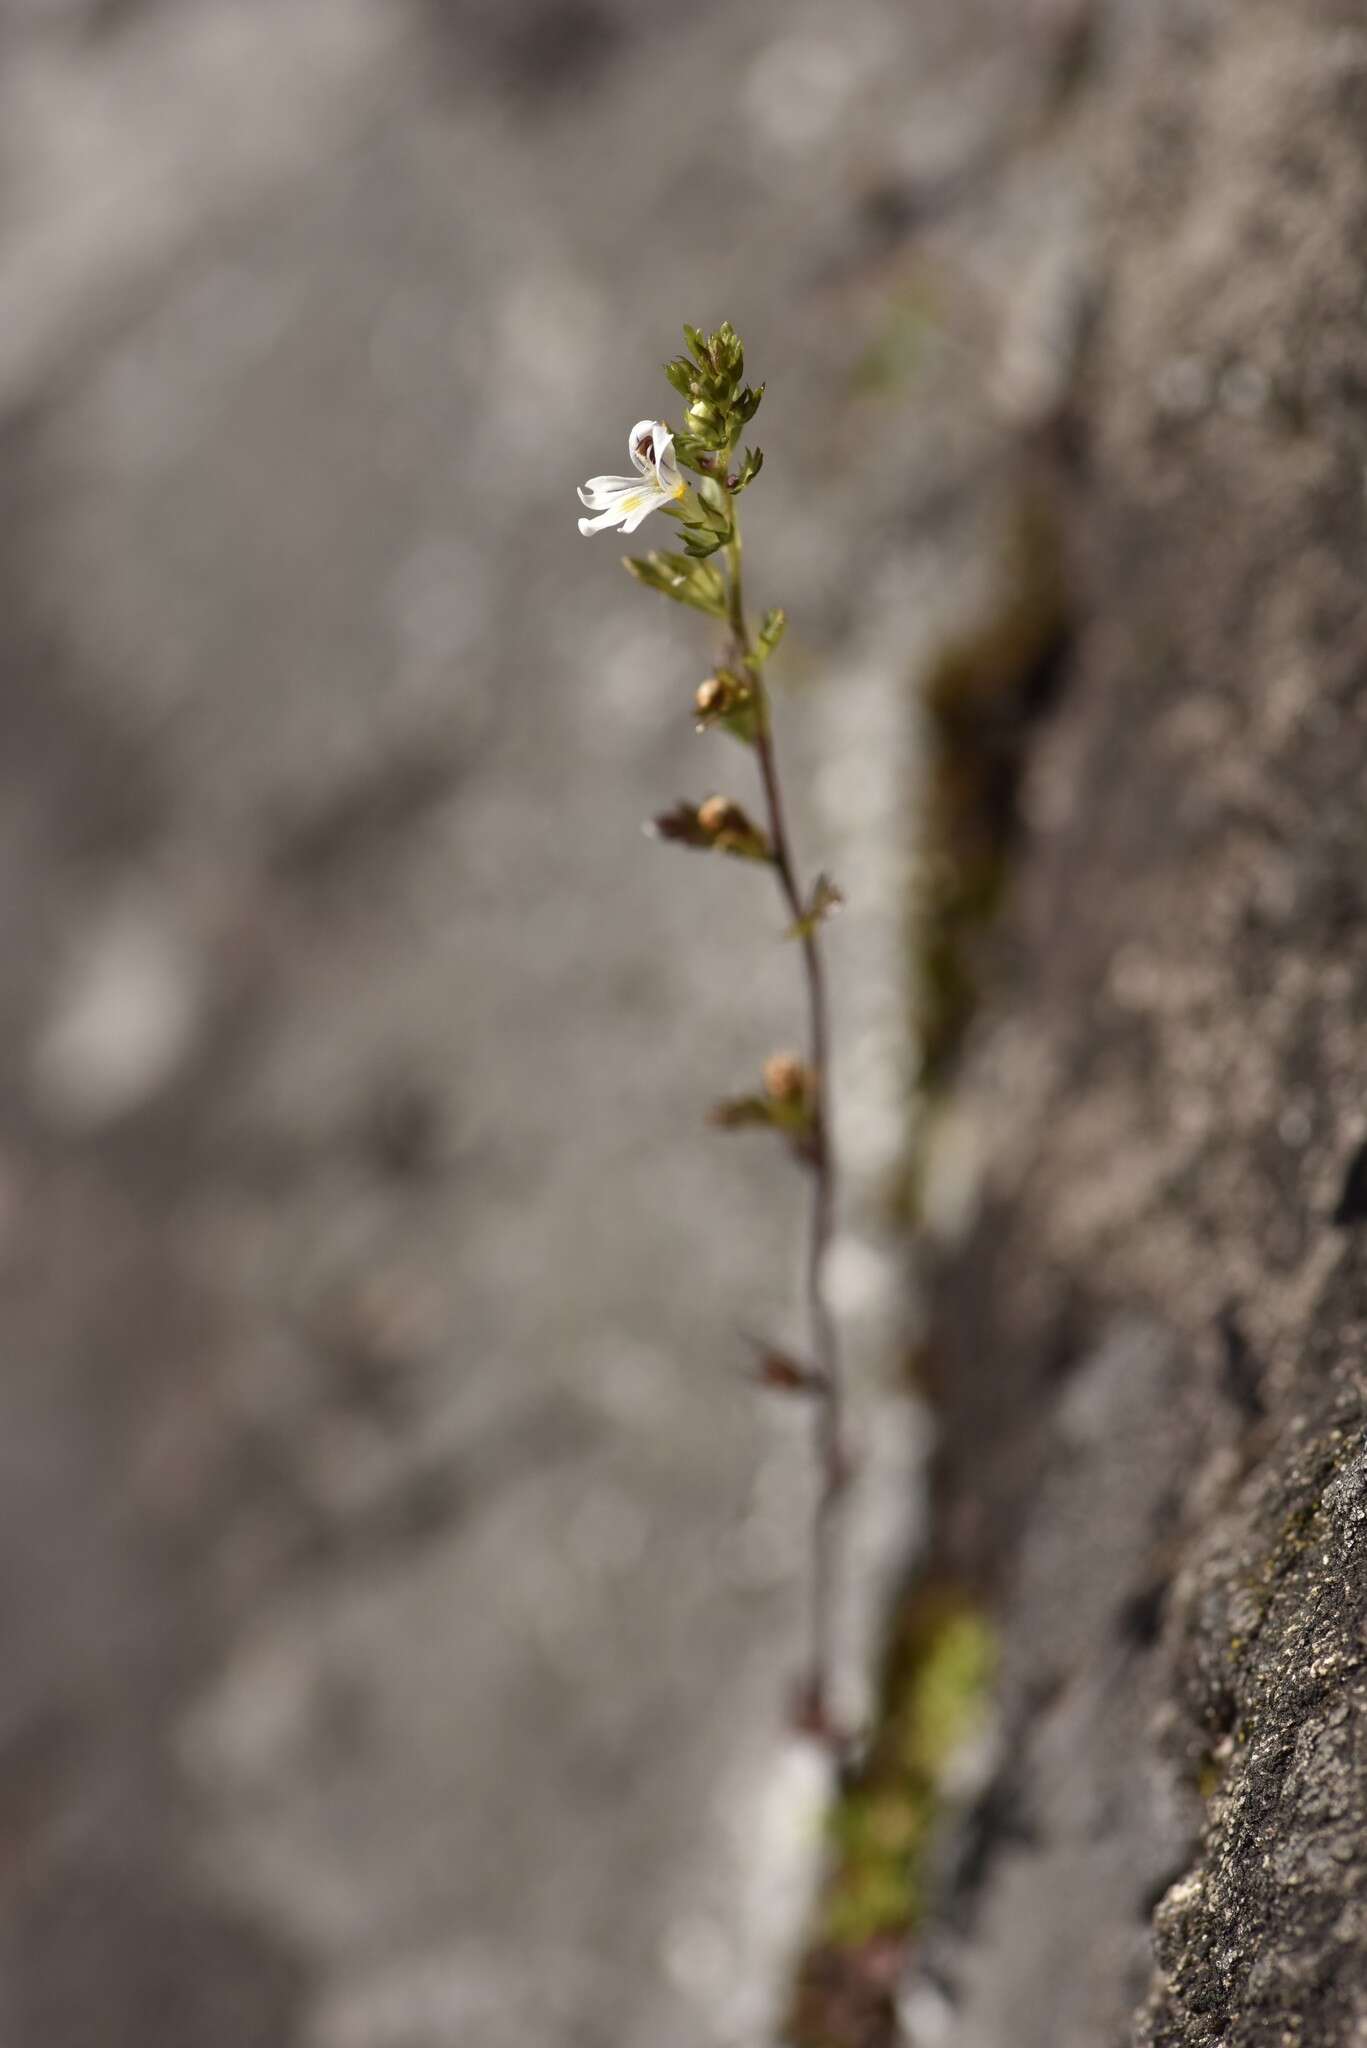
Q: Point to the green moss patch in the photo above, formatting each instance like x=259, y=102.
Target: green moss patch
x=981, y=694
x=936, y=1687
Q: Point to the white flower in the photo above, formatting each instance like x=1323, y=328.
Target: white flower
x=626, y=500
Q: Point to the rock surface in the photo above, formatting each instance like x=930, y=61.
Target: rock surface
x=399, y=1590
x=1151, y=1340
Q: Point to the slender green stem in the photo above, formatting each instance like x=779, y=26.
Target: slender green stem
x=829, y=1410
x=736, y=591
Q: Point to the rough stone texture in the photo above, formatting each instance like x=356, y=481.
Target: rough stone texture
x=1048, y=1880
x=1166, y=1087
x=396, y=1593
x=399, y=1588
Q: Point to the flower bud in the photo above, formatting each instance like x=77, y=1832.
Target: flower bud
x=726, y=699
x=785, y=1078
x=717, y=812
x=713, y=699
x=729, y=828
x=719, y=824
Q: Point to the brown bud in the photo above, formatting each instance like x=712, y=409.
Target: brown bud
x=729, y=829
x=729, y=700
x=785, y=1078
x=681, y=824
x=713, y=699
x=719, y=825
x=718, y=814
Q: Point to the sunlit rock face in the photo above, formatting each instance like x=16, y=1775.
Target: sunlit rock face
x=402, y=1588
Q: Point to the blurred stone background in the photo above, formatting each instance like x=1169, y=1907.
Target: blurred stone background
x=399, y=1586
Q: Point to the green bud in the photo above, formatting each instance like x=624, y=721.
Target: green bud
x=727, y=353
x=752, y=462
x=718, y=403
x=692, y=453
x=704, y=518
x=700, y=542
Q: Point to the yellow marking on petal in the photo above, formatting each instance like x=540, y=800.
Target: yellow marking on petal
x=630, y=504
x=680, y=488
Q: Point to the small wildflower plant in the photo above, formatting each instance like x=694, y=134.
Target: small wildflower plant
x=791, y=1096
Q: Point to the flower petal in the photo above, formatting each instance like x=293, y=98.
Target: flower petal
x=650, y=501
x=643, y=431
x=610, y=517
x=666, y=468
x=601, y=490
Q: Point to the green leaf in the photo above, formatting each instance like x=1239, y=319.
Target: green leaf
x=694, y=337
x=771, y=630
x=700, y=543
x=826, y=899
x=735, y=1112
x=682, y=375
x=687, y=582
x=728, y=700
x=691, y=453
x=752, y=462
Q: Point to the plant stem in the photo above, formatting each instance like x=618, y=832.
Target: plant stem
x=832, y=1462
